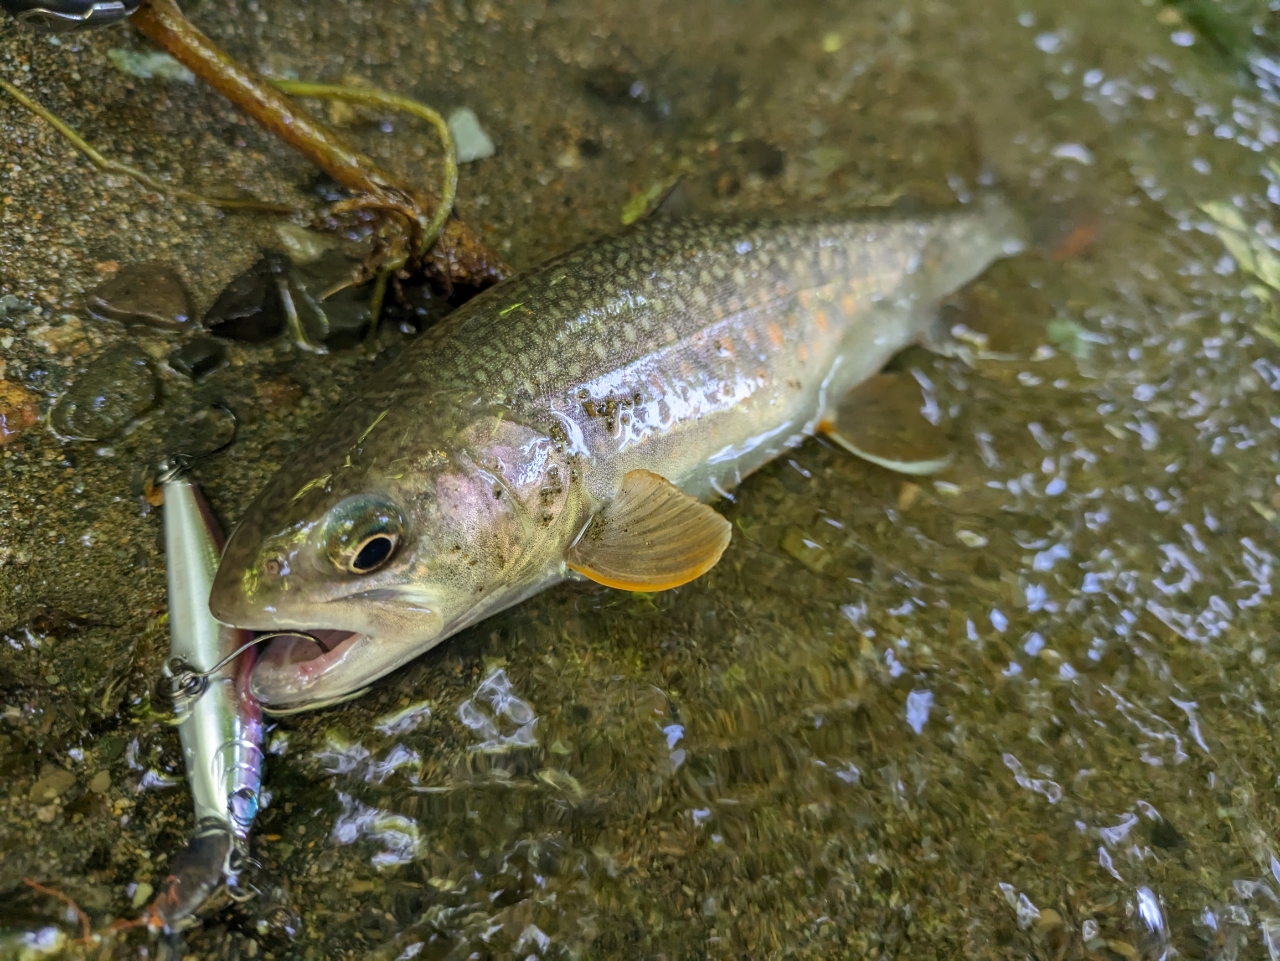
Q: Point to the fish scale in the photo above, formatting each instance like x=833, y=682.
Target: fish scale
x=605, y=392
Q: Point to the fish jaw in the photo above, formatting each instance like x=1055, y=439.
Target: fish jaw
x=360, y=639
x=295, y=674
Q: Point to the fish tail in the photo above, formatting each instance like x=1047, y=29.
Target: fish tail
x=963, y=244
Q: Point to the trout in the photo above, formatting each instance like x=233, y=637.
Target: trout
x=577, y=419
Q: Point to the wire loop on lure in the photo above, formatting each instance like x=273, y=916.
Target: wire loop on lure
x=186, y=684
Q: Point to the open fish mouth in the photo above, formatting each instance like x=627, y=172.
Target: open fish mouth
x=295, y=673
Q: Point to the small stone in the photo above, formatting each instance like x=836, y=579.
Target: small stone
x=19, y=410
x=806, y=550
x=148, y=295
x=469, y=138
x=249, y=308
x=302, y=245
x=52, y=784
x=118, y=386
x=47, y=814
x=100, y=783
x=197, y=358
x=970, y=539
x=1049, y=918
x=281, y=393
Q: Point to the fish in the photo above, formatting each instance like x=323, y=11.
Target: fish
x=576, y=420
x=219, y=722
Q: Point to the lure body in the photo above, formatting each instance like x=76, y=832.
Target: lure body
x=219, y=722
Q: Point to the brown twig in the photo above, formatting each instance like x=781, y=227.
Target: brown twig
x=459, y=257
x=86, y=929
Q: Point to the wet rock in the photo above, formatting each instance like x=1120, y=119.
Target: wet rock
x=118, y=386
x=19, y=410
x=52, y=784
x=148, y=295
x=100, y=783
x=250, y=307
x=280, y=393
x=197, y=358
x=339, y=320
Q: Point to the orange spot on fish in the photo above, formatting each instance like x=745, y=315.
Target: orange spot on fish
x=847, y=304
x=820, y=319
x=803, y=353
x=775, y=334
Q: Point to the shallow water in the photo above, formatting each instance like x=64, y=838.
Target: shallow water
x=1020, y=710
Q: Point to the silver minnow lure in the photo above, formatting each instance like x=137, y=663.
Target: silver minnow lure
x=219, y=722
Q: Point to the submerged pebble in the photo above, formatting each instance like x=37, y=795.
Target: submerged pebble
x=118, y=386
x=148, y=295
x=250, y=308
x=19, y=410
x=197, y=358
x=469, y=138
x=806, y=550
x=52, y=783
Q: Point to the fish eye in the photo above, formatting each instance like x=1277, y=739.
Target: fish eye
x=373, y=552
x=363, y=534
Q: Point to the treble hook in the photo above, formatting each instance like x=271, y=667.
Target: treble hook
x=187, y=684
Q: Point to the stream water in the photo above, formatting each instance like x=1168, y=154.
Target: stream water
x=1022, y=709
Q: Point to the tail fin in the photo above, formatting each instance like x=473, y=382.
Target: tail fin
x=964, y=243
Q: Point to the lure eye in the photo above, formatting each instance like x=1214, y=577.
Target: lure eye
x=363, y=534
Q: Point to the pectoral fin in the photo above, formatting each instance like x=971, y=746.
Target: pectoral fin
x=880, y=421
x=651, y=537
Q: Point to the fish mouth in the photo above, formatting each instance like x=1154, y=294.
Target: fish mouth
x=295, y=673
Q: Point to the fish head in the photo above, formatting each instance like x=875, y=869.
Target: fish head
x=382, y=550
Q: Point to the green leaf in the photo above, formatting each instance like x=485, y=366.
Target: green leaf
x=1226, y=215
x=1266, y=264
